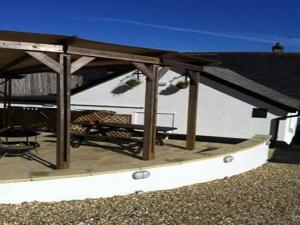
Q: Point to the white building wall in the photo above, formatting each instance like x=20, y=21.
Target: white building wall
x=219, y=113
x=222, y=112
x=287, y=128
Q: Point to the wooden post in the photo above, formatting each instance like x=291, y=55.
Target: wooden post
x=63, y=113
x=150, y=114
x=5, y=124
x=8, y=114
x=192, y=110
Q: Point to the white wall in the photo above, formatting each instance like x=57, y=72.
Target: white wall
x=222, y=111
x=170, y=176
x=287, y=128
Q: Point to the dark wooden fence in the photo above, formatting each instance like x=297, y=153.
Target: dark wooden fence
x=39, y=84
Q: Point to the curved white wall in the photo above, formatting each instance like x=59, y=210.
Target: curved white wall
x=121, y=183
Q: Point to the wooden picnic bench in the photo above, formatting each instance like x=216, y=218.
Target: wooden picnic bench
x=98, y=131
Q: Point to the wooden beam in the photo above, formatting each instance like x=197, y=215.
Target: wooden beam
x=14, y=62
x=27, y=70
x=150, y=115
x=112, y=55
x=182, y=65
x=81, y=62
x=63, y=113
x=41, y=68
x=45, y=59
x=162, y=72
x=192, y=110
x=143, y=68
x=110, y=62
x=31, y=46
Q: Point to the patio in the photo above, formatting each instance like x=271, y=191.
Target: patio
x=100, y=157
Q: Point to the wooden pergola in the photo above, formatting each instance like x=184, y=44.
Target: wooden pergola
x=24, y=53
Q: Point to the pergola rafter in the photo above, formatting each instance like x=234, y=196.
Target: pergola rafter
x=112, y=55
x=14, y=62
x=143, y=68
x=181, y=65
x=163, y=71
x=81, y=62
x=45, y=59
x=16, y=45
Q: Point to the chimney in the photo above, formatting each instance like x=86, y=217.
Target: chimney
x=277, y=48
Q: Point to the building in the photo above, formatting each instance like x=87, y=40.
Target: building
x=130, y=80
x=244, y=95
x=230, y=106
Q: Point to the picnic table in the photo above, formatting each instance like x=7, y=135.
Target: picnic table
x=99, y=131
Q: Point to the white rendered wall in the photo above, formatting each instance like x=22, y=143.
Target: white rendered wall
x=287, y=128
x=122, y=183
x=223, y=112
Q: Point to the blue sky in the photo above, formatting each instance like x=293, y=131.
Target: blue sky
x=182, y=25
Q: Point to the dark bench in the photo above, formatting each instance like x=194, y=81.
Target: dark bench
x=98, y=131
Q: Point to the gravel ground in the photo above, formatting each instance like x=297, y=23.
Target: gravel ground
x=267, y=195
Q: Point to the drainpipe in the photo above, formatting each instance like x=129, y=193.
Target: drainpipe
x=277, y=120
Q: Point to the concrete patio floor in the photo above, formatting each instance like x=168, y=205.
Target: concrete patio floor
x=99, y=157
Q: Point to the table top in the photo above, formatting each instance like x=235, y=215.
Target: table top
x=18, y=131
x=121, y=125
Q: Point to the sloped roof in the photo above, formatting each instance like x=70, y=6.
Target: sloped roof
x=234, y=79
x=280, y=72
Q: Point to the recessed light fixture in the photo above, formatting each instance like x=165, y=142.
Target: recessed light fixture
x=228, y=159
x=140, y=174
x=162, y=84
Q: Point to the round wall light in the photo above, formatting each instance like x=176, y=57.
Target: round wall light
x=140, y=174
x=228, y=159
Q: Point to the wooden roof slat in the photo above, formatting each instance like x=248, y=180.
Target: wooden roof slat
x=81, y=62
x=12, y=42
x=162, y=72
x=112, y=55
x=31, y=46
x=45, y=59
x=14, y=62
x=144, y=70
x=181, y=65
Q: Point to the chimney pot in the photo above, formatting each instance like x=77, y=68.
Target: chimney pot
x=277, y=48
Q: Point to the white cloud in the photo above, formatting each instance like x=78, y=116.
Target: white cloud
x=253, y=37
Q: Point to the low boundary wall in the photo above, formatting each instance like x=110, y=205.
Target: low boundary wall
x=241, y=158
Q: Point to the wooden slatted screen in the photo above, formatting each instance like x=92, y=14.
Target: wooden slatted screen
x=43, y=119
